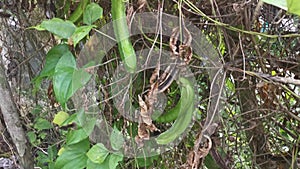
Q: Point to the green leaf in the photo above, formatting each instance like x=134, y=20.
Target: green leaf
x=67, y=79
x=71, y=159
x=31, y=136
x=73, y=156
x=92, y=12
x=92, y=165
x=75, y=136
x=110, y=162
x=62, y=80
x=293, y=6
x=116, y=139
x=145, y=162
x=42, y=124
x=80, y=33
x=97, y=153
x=52, y=152
x=279, y=3
x=52, y=58
x=78, y=11
x=114, y=160
x=60, y=117
x=59, y=27
x=42, y=135
x=86, y=127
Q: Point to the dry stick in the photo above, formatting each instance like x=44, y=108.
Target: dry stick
x=11, y=116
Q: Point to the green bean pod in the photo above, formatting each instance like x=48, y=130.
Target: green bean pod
x=171, y=115
x=79, y=11
x=185, y=114
x=122, y=35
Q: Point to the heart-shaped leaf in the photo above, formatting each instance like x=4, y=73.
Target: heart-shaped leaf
x=97, y=153
x=67, y=79
x=59, y=27
x=91, y=13
x=73, y=156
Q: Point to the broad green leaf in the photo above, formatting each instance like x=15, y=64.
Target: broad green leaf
x=114, y=160
x=293, y=6
x=73, y=156
x=42, y=124
x=80, y=33
x=31, y=136
x=91, y=13
x=52, y=58
x=75, y=136
x=97, y=153
x=110, y=162
x=67, y=79
x=62, y=80
x=82, y=146
x=60, y=117
x=116, y=139
x=59, y=27
x=92, y=165
x=279, y=3
x=71, y=159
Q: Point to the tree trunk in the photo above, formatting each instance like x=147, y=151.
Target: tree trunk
x=12, y=121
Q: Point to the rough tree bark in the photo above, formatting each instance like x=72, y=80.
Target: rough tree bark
x=11, y=116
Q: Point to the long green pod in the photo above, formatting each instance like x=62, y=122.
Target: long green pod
x=171, y=115
x=78, y=11
x=184, y=116
x=122, y=35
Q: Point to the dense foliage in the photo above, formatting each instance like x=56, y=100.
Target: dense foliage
x=67, y=102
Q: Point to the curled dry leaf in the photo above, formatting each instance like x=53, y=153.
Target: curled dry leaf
x=185, y=52
x=204, y=149
x=143, y=133
x=199, y=153
x=144, y=113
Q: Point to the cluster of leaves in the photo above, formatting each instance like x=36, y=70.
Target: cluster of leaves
x=67, y=78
